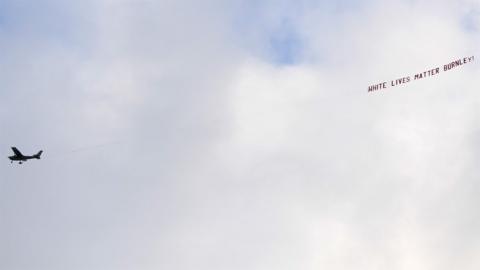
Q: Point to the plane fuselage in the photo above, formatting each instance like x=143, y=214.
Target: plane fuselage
x=20, y=157
x=24, y=158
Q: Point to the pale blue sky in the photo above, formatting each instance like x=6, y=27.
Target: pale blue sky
x=238, y=135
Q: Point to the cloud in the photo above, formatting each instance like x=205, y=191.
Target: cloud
x=171, y=144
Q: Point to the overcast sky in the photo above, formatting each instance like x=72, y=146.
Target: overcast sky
x=234, y=135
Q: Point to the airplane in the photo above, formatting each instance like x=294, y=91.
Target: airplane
x=21, y=158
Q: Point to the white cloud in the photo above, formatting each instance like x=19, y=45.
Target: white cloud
x=224, y=161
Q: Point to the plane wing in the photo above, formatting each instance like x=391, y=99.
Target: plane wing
x=17, y=153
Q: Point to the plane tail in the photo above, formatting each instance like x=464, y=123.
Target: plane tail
x=37, y=156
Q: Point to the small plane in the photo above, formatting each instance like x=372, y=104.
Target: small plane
x=21, y=158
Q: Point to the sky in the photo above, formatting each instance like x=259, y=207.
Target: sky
x=239, y=135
